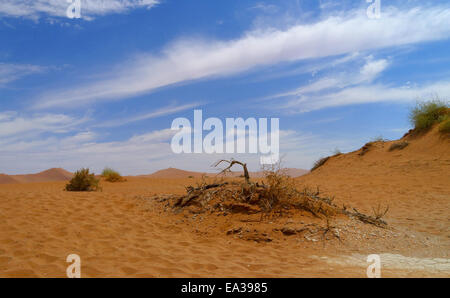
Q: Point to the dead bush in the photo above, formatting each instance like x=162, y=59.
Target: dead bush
x=276, y=193
x=380, y=212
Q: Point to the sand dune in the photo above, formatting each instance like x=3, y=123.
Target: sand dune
x=58, y=174
x=177, y=173
x=124, y=232
x=174, y=173
x=413, y=181
x=55, y=174
x=6, y=179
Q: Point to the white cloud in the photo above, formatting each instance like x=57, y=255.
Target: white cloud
x=158, y=113
x=13, y=72
x=356, y=87
x=14, y=125
x=35, y=9
x=367, y=73
x=368, y=94
x=187, y=60
x=372, y=69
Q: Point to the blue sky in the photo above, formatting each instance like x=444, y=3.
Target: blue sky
x=103, y=90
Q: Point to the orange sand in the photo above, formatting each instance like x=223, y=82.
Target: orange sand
x=120, y=232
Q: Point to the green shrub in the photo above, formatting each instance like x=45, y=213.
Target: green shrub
x=83, y=181
x=111, y=175
x=426, y=114
x=444, y=127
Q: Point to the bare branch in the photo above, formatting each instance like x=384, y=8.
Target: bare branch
x=231, y=163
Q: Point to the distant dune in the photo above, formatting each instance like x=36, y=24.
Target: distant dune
x=58, y=174
x=177, y=173
x=173, y=173
x=6, y=179
x=55, y=174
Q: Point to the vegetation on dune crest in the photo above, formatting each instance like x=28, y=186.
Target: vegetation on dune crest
x=320, y=162
x=444, y=127
x=111, y=175
x=83, y=181
x=426, y=114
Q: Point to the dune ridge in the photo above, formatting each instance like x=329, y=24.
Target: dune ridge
x=177, y=173
x=50, y=175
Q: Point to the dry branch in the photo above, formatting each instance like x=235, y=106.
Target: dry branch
x=231, y=163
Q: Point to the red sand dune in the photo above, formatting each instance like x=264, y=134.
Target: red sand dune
x=177, y=173
x=55, y=174
x=6, y=179
x=413, y=181
x=173, y=173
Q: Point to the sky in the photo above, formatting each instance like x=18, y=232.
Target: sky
x=103, y=90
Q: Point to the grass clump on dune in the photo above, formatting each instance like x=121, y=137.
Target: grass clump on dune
x=83, y=181
x=319, y=163
x=111, y=175
x=427, y=114
x=444, y=127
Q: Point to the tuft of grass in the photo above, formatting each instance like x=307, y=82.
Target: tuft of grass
x=398, y=146
x=378, y=139
x=366, y=148
x=337, y=152
x=426, y=114
x=111, y=175
x=319, y=163
x=83, y=181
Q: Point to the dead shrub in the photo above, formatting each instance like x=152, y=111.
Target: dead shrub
x=276, y=193
x=380, y=212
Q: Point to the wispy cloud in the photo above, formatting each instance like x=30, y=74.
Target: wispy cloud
x=355, y=86
x=187, y=60
x=367, y=94
x=366, y=74
x=13, y=72
x=154, y=114
x=36, y=9
x=12, y=124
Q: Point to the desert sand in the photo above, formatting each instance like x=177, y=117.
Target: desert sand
x=123, y=231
